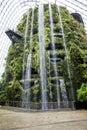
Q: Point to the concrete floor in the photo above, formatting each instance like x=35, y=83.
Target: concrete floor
x=58, y=120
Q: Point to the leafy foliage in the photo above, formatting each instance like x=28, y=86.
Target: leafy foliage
x=76, y=43
x=14, y=90
x=82, y=93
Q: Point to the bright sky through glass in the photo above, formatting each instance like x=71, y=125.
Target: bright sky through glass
x=11, y=12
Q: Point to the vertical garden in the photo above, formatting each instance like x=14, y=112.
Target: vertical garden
x=69, y=57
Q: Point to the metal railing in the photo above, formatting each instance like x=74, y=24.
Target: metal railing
x=38, y=105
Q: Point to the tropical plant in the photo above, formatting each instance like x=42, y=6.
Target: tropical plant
x=82, y=93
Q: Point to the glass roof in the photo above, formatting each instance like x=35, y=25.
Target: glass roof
x=11, y=12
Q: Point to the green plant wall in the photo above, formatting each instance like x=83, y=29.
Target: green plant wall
x=76, y=42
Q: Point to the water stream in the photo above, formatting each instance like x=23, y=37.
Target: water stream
x=53, y=48
x=42, y=55
x=59, y=85
x=65, y=46
x=28, y=66
x=64, y=93
x=24, y=100
x=50, y=92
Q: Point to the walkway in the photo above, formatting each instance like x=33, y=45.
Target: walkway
x=58, y=120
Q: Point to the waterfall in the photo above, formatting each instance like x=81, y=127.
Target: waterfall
x=42, y=55
x=25, y=41
x=24, y=100
x=63, y=92
x=60, y=87
x=28, y=67
x=65, y=46
x=27, y=82
x=35, y=95
x=50, y=93
x=53, y=48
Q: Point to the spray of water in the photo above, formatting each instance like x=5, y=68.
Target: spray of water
x=25, y=41
x=64, y=42
x=42, y=55
x=53, y=48
x=28, y=66
x=27, y=75
x=27, y=82
x=51, y=96
x=64, y=93
x=23, y=74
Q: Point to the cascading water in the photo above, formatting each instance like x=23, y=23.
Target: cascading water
x=24, y=100
x=53, y=48
x=50, y=93
x=27, y=82
x=35, y=94
x=64, y=93
x=50, y=87
x=54, y=60
x=64, y=42
x=31, y=33
x=28, y=68
x=42, y=56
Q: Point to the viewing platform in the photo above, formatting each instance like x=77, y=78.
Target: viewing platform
x=13, y=36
